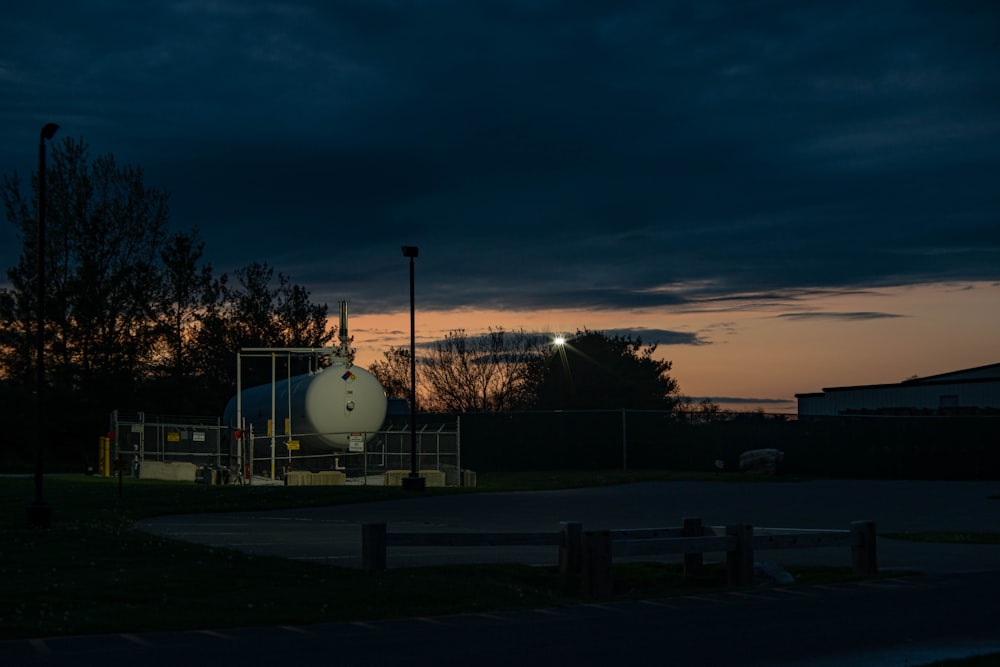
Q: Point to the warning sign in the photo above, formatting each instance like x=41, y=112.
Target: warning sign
x=356, y=442
x=292, y=445
x=173, y=437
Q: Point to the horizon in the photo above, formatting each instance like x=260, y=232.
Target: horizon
x=809, y=349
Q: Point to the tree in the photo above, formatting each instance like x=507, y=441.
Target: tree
x=105, y=229
x=263, y=314
x=597, y=371
x=187, y=293
x=393, y=372
x=705, y=412
x=488, y=373
x=257, y=313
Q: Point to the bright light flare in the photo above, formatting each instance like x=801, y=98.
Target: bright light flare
x=559, y=340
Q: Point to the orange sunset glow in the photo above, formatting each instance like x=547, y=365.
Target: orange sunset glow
x=762, y=352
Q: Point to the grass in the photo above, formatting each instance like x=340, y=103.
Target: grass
x=91, y=572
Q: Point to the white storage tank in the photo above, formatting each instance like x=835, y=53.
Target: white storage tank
x=327, y=407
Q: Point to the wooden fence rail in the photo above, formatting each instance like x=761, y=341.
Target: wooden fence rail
x=591, y=553
x=375, y=540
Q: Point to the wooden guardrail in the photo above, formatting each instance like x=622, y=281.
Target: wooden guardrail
x=375, y=540
x=591, y=553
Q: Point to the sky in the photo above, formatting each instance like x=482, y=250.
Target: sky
x=783, y=195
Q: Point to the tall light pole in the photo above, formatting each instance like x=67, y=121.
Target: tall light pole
x=414, y=482
x=39, y=514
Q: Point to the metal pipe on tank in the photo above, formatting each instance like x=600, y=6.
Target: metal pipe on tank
x=344, y=351
x=343, y=323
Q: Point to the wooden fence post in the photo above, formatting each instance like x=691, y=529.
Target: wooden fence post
x=691, y=527
x=571, y=549
x=739, y=563
x=864, y=557
x=373, y=547
x=597, y=563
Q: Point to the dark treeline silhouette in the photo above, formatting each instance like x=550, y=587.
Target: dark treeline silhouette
x=134, y=317
x=501, y=371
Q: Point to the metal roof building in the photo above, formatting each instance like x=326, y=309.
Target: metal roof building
x=969, y=391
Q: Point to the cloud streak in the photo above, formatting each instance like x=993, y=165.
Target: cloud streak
x=857, y=316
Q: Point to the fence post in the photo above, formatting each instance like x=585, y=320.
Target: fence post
x=597, y=563
x=571, y=549
x=373, y=547
x=739, y=563
x=691, y=527
x=864, y=557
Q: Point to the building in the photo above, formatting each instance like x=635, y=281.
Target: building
x=971, y=391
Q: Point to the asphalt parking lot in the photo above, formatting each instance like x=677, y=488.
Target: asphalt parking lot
x=333, y=534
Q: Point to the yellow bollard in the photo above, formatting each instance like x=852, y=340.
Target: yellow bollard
x=104, y=456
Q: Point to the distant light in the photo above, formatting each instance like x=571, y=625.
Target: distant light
x=559, y=340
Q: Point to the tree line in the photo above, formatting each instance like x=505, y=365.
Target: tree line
x=136, y=319
x=514, y=370
x=134, y=315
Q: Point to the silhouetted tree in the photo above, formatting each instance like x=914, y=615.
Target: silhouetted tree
x=488, y=373
x=267, y=315
x=187, y=293
x=705, y=412
x=597, y=371
x=393, y=372
x=105, y=229
x=257, y=313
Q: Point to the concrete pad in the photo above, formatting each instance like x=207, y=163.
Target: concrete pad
x=178, y=471
x=330, y=478
x=322, y=478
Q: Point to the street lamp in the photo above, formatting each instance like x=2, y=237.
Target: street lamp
x=39, y=514
x=414, y=482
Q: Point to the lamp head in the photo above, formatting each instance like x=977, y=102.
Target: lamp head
x=49, y=130
x=410, y=251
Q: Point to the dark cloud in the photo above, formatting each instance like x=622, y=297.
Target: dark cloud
x=541, y=154
x=838, y=316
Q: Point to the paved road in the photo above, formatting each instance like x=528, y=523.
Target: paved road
x=332, y=534
x=906, y=620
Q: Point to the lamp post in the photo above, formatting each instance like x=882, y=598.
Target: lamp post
x=414, y=482
x=39, y=513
